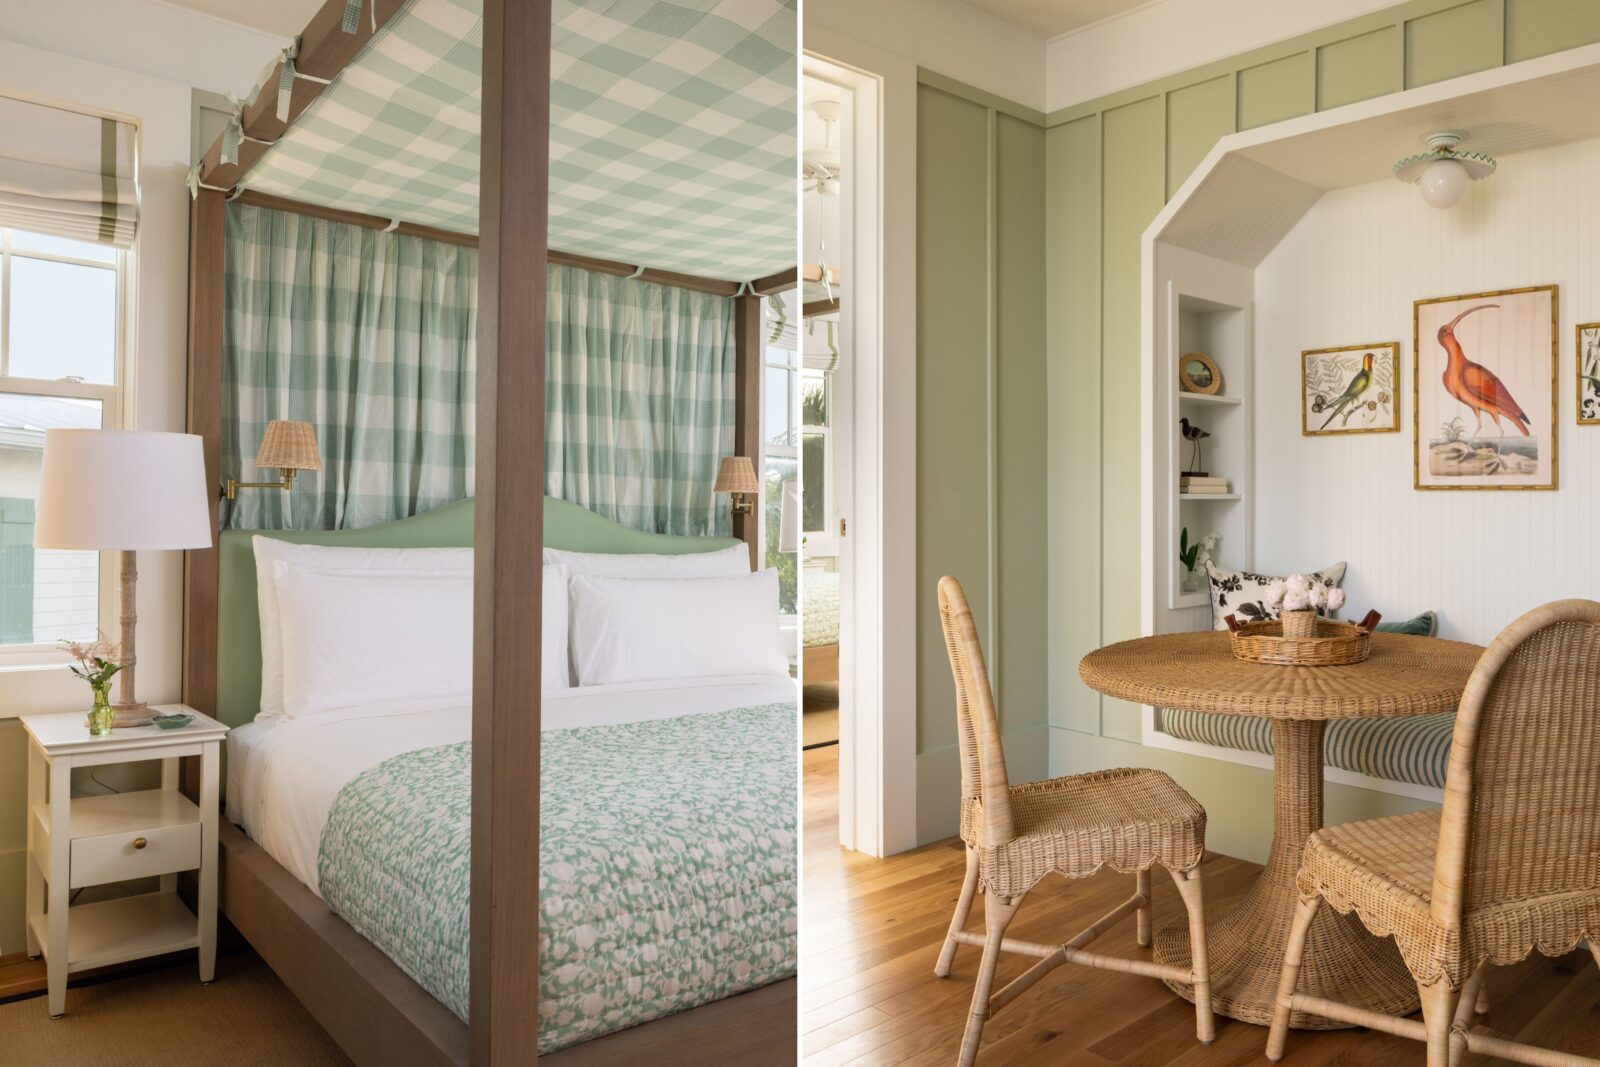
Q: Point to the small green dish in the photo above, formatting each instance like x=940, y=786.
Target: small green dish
x=172, y=722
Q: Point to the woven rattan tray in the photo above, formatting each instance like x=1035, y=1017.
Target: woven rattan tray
x=1335, y=644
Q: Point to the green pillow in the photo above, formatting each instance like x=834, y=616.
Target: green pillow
x=1424, y=625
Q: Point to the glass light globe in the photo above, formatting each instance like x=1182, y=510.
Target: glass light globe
x=1444, y=183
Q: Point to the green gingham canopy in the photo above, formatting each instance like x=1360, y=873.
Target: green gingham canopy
x=672, y=131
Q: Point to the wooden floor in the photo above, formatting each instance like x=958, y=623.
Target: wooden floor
x=871, y=930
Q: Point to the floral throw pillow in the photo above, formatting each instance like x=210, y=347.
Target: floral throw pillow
x=1243, y=594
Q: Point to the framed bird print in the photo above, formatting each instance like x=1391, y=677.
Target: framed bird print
x=1588, y=355
x=1353, y=389
x=1485, y=390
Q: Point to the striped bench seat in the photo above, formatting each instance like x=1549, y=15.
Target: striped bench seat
x=1414, y=750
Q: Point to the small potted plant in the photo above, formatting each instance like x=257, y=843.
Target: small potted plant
x=1187, y=555
x=97, y=664
x=1298, y=599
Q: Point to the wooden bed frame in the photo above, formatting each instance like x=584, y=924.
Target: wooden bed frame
x=379, y=1015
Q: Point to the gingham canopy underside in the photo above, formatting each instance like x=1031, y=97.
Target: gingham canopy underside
x=672, y=131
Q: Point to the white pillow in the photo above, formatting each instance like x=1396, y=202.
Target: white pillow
x=553, y=670
x=269, y=550
x=657, y=629
x=721, y=563
x=352, y=638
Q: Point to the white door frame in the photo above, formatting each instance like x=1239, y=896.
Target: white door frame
x=877, y=327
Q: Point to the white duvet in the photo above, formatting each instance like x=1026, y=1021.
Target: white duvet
x=283, y=774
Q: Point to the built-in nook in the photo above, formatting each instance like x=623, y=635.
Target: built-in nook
x=1297, y=237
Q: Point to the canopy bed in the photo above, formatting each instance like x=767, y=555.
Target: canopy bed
x=677, y=177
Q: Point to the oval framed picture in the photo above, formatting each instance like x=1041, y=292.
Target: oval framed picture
x=1197, y=373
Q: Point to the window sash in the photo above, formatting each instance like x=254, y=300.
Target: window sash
x=111, y=398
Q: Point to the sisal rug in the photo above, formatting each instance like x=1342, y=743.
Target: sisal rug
x=166, y=1018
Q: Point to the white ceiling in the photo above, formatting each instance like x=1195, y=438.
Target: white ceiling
x=282, y=17
x=1051, y=18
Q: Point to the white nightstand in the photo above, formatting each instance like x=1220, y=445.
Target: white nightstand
x=82, y=841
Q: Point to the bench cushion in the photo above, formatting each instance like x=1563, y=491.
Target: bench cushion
x=1415, y=750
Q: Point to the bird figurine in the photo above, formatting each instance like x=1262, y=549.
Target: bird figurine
x=1475, y=385
x=1194, y=435
x=1352, y=392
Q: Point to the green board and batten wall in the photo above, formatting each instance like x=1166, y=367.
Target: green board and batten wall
x=1028, y=375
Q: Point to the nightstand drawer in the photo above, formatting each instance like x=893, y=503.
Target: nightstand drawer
x=115, y=857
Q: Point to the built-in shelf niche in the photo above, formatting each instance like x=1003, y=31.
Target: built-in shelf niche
x=1207, y=310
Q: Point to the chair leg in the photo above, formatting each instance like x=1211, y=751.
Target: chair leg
x=1471, y=994
x=1594, y=950
x=1141, y=918
x=1188, y=883
x=1438, y=1012
x=958, y=922
x=1293, y=952
x=997, y=914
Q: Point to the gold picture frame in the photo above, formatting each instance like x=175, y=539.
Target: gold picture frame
x=1328, y=373
x=1192, y=382
x=1587, y=359
x=1511, y=346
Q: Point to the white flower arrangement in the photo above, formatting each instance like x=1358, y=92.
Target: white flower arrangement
x=1300, y=592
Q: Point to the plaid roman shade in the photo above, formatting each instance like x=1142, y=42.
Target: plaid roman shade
x=68, y=174
x=369, y=336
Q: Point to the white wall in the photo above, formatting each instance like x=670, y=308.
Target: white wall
x=1347, y=274
x=957, y=41
x=1169, y=36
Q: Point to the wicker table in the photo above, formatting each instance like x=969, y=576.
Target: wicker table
x=1197, y=671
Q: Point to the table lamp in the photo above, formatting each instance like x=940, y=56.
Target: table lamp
x=123, y=490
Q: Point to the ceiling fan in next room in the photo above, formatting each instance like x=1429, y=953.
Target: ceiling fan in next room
x=822, y=166
x=821, y=170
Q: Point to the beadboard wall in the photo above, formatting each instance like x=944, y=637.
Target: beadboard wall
x=1347, y=274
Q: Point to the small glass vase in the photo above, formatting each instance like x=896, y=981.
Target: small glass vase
x=1191, y=581
x=102, y=715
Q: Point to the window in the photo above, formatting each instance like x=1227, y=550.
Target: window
x=61, y=327
x=816, y=451
x=780, y=404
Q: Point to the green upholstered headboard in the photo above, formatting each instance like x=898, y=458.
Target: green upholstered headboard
x=566, y=525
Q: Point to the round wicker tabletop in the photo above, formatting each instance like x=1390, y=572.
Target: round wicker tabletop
x=1198, y=672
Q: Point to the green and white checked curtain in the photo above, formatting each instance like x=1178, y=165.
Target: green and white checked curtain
x=68, y=174
x=672, y=142
x=640, y=401
x=366, y=335
x=370, y=337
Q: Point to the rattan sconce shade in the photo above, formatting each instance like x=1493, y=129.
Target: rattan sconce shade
x=736, y=475
x=289, y=446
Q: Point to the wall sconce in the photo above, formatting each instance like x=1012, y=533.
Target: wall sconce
x=737, y=476
x=1443, y=173
x=289, y=446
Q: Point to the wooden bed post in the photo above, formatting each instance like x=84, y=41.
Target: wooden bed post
x=204, y=418
x=513, y=244
x=747, y=411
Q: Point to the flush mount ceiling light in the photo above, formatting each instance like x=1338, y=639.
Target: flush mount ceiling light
x=1444, y=171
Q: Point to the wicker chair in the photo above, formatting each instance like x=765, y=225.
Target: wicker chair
x=1128, y=820
x=1510, y=864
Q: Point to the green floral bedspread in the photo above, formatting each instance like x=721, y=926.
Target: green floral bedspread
x=820, y=591
x=667, y=866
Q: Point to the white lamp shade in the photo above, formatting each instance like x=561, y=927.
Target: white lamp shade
x=1444, y=182
x=122, y=489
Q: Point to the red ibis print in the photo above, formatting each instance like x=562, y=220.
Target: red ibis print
x=1476, y=385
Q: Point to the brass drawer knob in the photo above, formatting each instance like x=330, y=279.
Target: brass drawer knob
x=139, y=842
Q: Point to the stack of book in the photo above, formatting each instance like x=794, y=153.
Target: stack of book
x=1201, y=485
